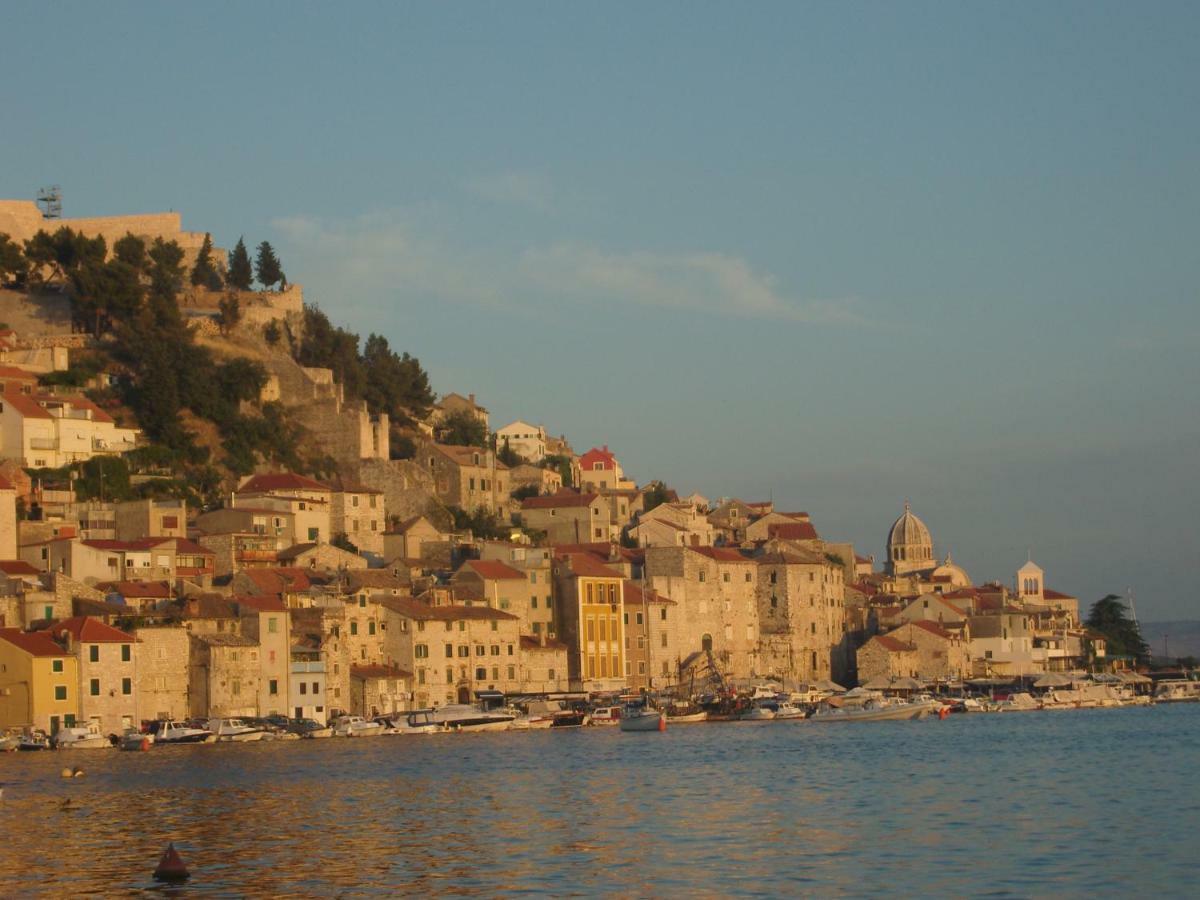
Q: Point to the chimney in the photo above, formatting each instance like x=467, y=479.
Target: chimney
x=471, y=397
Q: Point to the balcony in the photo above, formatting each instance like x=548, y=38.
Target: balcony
x=43, y=443
x=302, y=668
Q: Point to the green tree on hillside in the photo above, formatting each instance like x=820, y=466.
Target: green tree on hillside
x=62, y=253
x=1122, y=634
x=13, y=267
x=509, y=456
x=131, y=250
x=204, y=273
x=230, y=313
x=394, y=384
x=330, y=347
x=240, y=273
x=656, y=494
x=267, y=266
x=463, y=429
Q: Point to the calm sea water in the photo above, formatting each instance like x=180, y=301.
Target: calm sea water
x=1028, y=804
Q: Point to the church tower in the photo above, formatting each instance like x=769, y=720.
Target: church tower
x=1030, y=582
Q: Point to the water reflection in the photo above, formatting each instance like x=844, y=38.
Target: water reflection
x=1018, y=805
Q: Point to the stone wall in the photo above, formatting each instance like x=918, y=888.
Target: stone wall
x=162, y=672
x=407, y=488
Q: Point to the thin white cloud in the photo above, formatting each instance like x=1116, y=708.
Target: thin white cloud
x=528, y=190
x=383, y=255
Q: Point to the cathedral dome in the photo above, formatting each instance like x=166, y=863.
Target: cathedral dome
x=910, y=546
x=956, y=574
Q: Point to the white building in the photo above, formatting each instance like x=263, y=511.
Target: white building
x=46, y=431
x=529, y=441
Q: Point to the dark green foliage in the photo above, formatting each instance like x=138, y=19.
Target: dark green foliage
x=131, y=250
x=1123, y=635
x=394, y=384
x=342, y=542
x=239, y=273
x=333, y=348
x=103, y=478
x=480, y=523
x=230, y=313
x=204, y=273
x=562, y=465
x=13, y=268
x=527, y=490
x=271, y=333
x=655, y=494
x=267, y=266
x=464, y=430
x=402, y=447
x=62, y=252
x=509, y=456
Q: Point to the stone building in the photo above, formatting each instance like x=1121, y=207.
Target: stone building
x=887, y=657
x=223, y=675
x=651, y=659
x=470, y=478
x=535, y=564
x=108, y=673
x=527, y=441
x=598, y=469
x=309, y=501
x=378, y=690
x=673, y=525
x=267, y=622
x=570, y=518
x=162, y=672
x=544, y=666
x=359, y=512
x=406, y=540
x=138, y=519
x=8, y=519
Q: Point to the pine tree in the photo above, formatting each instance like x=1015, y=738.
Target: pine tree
x=204, y=273
x=267, y=266
x=240, y=273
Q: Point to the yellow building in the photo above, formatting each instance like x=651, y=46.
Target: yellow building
x=591, y=603
x=38, y=681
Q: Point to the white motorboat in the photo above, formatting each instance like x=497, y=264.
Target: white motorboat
x=1176, y=690
x=1019, y=702
x=418, y=722
x=790, y=711
x=467, y=717
x=235, y=731
x=135, y=740
x=871, y=706
x=167, y=731
x=81, y=737
x=643, y=718
x=757, y=713
x=606, y=715
x=530, y=722
x=687, y=718
x=355, y=726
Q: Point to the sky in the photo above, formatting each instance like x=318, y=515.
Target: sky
x=834, y=255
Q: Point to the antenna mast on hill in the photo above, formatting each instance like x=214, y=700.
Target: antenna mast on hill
x=50, y=200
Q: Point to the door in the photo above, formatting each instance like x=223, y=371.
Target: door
x=53, y=725
x=464, y=695
x=299, y=713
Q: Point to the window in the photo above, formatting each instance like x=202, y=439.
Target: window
x=510, y=649
x=273, y=687
x=495, y=673
x=353, y=627
x=272, y=625
x=315, y=688
x=495, y=649
x=303, y=687
x=94, y=653
x=481, y=674
x=126, y=686
x=449, y=651
x=362, y=601
x=550, y=674
x=94, y=687
x=48, y=612
x=637, y=618
x=702, y=575
x=420, y=676
x=421, y=651
x=774, y=578
x=725, y=577
x=588, y=592
x=313, y=533
x=533, y=602
x=664, y=639
x=371, y=627
x=480, y=650
x=747, y=576
x=60, y=692
x=56, y=665
x=463, y=651
x=512, y=673
x=662, y=614
x=495, y=625
x=533, y=577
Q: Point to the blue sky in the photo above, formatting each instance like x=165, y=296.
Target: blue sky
x=840, y=255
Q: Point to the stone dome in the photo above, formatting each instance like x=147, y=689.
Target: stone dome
x=909, y=530
x=957, y=574
x=910, y=546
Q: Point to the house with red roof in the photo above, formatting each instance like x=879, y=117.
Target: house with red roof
x=470, y=478
x=592, y=622
x=493, y=583
x=52, y=430
x=599, y=470
x=39, y=681
x=146, y=559
x=106, y=660
x=673, y=525
x=884, y=656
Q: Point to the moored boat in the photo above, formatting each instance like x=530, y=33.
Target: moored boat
x=135, y=740
x=790, y=711
x=467, y=717
x=229, y=730
x=168, y=731
x=606, y=715
x=81, y=737
x=642, y=718
x=687, y=718
x=355, y=726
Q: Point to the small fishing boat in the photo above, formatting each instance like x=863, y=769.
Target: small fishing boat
x=309, y=728
x=81, y=737
x=686, y=718
x=790, y=711
x=34, y=740
x=135, y=740
x=606, y=715
x=757, y=713
x=638, y=717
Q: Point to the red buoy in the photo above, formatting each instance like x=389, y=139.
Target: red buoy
x=170, y=866
x=662, y=722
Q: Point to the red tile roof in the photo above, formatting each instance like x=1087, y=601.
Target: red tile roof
x=533, y=642
x=589, y=566
x=271, y=603
x=416, y=609
x=1055, y=595
x=16, y=567
x=35, y=643
x=932, y=627
x=793, y=531
x=26, y=406
x=562, y=500
x=892, y=645
x=721, y=554
x=274, y=581
x=12, y=373
x=492, y=570
x=598, y=455
x=634, y=595
x=87, y=630
x=159, y=589
x=281, y=481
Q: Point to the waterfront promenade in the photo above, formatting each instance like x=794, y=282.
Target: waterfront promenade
x=1096, y=801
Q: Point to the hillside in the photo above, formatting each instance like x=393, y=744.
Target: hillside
x=1181, y=636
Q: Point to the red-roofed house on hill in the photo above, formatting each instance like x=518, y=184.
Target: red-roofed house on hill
x=50, y=431
x=887, y=657
x=106, y=660
x=501, y=586
x=600, y=471
x=39, y=681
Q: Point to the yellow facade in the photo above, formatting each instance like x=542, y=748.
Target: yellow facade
x=37, y=690
x=602, y=631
